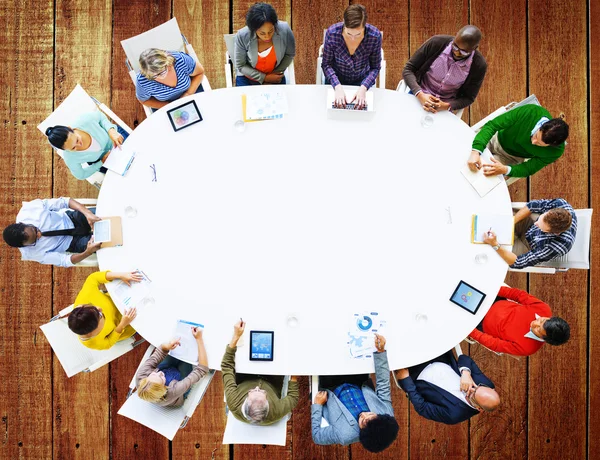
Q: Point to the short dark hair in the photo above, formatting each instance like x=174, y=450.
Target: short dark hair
x=470, y=35
x=57, y=135
x=557, y=331
x=379, y=433
x=84, y=319
x=555, y=131
x=14, y=235
x=559, y=220
x=258, y=14
x=355, y=16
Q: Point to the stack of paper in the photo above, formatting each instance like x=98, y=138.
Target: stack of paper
x=267, y=105
x=131, y=296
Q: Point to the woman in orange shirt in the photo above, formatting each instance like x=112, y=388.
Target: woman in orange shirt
x=264, y=48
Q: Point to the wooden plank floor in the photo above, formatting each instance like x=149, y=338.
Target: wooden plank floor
x=547, y=47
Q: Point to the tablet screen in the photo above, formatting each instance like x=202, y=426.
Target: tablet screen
x=467, y=297
x=102, y=231
x=261, y=348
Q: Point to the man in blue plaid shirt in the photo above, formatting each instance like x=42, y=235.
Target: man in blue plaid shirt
x=544, y=230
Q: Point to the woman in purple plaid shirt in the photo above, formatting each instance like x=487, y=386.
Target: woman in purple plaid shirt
x=352, y=55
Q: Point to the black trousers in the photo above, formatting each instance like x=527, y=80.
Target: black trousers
x=80, y=242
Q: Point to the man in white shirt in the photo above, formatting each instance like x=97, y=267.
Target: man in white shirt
x=448, y=391
x=56, y=231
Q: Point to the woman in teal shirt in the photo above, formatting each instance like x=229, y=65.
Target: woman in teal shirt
x=89, y=142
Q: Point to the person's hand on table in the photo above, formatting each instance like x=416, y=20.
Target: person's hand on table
x=128, y=316
x=474, y=161
x=197, y=333
x=130, y=277
x=494, y=168
x=273, y=77
x=490, y=238
x=293, y=378
x=321, y=398
x=360, y=98
x=401, y=374
x=379, y=343
x=340, y=97
x=443, y=106
x=92, y=247
x=430, y=103
x=171, y=345
x=466, y=381
x=115, y=137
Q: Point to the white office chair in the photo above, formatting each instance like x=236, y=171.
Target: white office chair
x=237, y=432
x=77, y=103
x=72, y=355
x=577, y=257
x=320, y=76
x=164, y=420
x=230, y=73
x=166, y=36
x=403, y=88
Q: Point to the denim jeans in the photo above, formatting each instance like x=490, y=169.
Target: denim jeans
x=184, y=368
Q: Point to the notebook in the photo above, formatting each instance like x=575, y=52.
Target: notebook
x=481, y=183
x=188, y=348
x=503, y=226
x=267, y=105
x=119, y=160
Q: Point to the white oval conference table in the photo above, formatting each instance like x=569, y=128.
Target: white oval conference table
x=306, y=217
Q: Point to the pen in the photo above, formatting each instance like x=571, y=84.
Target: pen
x=241, y=321
x=489, y=232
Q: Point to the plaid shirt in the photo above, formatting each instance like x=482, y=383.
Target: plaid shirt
x=352, y=397
x=546, y=246
x=339, y=67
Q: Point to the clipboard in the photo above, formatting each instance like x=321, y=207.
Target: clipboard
x=116, y=232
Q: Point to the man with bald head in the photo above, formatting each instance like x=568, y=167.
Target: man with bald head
x=448, y=391
x=446, y=72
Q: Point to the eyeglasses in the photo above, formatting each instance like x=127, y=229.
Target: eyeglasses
x=462, y=51
x=472, y=397
x=161, y=75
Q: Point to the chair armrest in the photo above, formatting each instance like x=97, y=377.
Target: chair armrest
x=518, y=204
x=543, y=270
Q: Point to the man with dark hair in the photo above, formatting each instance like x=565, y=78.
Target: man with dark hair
x=354, y=410
x=55, y=231
x=519, y=324
x=544, y=230
x=446, y=72
x=448, y=391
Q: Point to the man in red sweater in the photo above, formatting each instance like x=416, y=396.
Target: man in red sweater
x=519, y=324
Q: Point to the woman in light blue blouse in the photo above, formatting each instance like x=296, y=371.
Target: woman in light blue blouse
x=90, y=141
x=166, y=76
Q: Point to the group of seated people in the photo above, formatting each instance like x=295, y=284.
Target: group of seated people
x=445, y=73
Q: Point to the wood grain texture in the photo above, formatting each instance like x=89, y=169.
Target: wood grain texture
x=561, y=371
x=129, y=439
x=309, y=18
x=202, y=438
x=25, y=173
x=83, y=36
x=204, y=23
x=240, y=8
x=594, y=294
x=391, y=17
x=502, y=434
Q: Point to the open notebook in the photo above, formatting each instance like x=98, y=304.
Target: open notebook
x=503, y=226
x=481, y=183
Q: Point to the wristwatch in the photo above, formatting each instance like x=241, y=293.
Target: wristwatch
x=496, y=247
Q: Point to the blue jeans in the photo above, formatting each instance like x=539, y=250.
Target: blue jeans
x=184, y=368
x=199, y=90
x=241, y=80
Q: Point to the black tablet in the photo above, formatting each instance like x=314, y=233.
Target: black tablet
x=261, y=345
x=185, y=115
x=467, y=297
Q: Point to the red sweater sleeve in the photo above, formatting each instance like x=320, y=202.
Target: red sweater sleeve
x=519, y=296
x=496, y=344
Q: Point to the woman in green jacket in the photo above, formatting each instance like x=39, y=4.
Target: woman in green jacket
x=527, y=132
x=90, y=141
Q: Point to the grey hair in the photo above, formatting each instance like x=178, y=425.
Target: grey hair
x=154, y=61
x=256, y=412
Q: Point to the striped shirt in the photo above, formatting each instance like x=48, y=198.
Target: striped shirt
x=546, y=246
x=352, y=397
x=362, y=68
x=446, y=75
x=184, y=65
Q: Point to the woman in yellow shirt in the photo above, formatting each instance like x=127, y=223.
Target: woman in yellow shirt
x=95, y=318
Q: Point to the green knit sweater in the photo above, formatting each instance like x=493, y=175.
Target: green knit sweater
x=514, y=134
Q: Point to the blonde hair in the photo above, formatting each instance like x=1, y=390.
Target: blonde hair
x=154, y=61
x=151, y=391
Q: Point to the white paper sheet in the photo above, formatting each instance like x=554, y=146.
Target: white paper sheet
x=267, y=105
x=119, y=160
x=132, y=296
x=188, y=349
x=361, y=334
x=502, y=226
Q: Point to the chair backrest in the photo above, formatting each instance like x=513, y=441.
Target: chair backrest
x=579, y=255
x=238, y=432
x=230, y=46
x=531, y=99
x=164, y=420
x=72, y=355
x=166, y=36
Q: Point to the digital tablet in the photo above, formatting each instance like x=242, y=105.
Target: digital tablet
x=261, y=345
x=467, y=297
x=185, y=115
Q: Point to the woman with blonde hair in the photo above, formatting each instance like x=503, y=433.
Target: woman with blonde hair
x=165, y=380
x=166, y=76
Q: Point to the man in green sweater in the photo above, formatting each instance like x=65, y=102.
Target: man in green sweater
x=251, y=398
x=521, y=134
